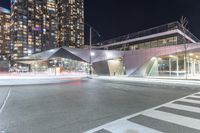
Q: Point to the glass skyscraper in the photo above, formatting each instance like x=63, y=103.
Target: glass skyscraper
x=39, y=25
x=71, y=23
x=4, y=33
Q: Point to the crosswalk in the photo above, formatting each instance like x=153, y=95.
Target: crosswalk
x=178, y=116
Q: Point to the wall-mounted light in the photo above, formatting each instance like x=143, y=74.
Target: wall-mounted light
x=29, y=51
x=92, y=54
x=153, y=58
x=109, y=55
x=191, y=54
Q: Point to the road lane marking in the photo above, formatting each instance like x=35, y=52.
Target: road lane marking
x=3, y=131
x=192, y=98
x=183, y=107
x=172, y=118
x=5, y=101
x=171, y=103
x=161, y=125
x=195, y=96
x=129, y=127
x=189, y=101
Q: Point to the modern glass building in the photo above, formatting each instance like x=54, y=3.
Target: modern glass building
x=164, y=35
x=4, y=33
x=169, y=51
x=164, y=51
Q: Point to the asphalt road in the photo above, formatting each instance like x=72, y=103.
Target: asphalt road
x=80, y=105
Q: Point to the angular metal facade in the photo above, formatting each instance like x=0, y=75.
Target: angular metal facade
x=136, y=62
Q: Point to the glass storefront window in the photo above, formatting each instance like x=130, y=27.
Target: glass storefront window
x=154, y=44
x=147, y=44
x=163, y=67
x=61, y=66
x=161, y=43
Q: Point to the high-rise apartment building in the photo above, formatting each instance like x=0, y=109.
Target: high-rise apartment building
x=50, y=24
x=4, y=33
x=71, y=23
x=33, y=26
x=38, y=25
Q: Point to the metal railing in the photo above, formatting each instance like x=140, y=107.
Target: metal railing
x=154, y=30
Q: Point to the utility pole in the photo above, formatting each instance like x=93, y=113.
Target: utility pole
x=184, y=23
x=90, y=71
x=90, y=48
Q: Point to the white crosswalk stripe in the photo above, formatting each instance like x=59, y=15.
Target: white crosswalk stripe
x=194, y=96
x=172, y=118
x=183, y=107
x=190, y=101
x=123, y=125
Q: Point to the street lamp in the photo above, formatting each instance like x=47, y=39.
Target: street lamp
x=90, y=48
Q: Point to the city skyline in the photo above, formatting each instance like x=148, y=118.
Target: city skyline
x=109, y=22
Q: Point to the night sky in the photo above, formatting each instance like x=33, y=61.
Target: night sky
x=113, y=18
x=5, y=3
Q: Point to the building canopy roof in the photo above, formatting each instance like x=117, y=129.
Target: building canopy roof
x=72, y=53
x=4, y=10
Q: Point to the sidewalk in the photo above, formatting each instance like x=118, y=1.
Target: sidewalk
x=37, y=80
x=46, y=79
x=41, y=77
x=150, y=80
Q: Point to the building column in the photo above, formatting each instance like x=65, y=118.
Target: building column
x=177, y=66
x=188, y=63
x=194, y=67
x=170, y=67
x=185, y=65
x=199, y=67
